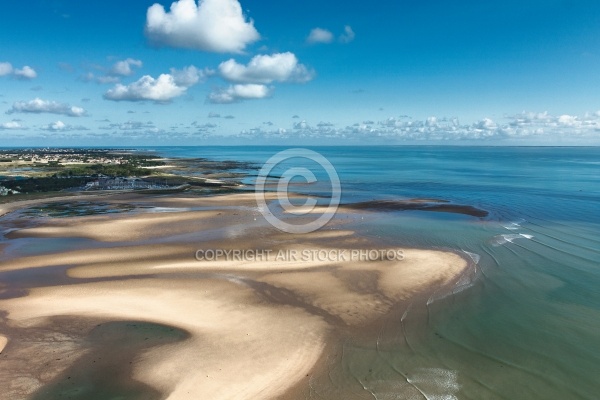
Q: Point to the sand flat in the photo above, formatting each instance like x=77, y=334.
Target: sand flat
x=240, y=347
x=257, y=326
x=3, y=342
x=121, y=228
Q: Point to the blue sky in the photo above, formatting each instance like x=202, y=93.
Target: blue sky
x=233, y=72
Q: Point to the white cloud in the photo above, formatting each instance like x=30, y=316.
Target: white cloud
x=319, y=35
x=123, y=68
x=11, y=125
x=161, y=90
x=279, y=67
x=38, y=106
x=5, y=68
x=189, y=76
x=211, y=25
x=521, y=128
x=56, y=126
x=25, y=73
x=568, y=120
x=60, y=126
x=348, y=35
x=300, y=125
x=485, y=124
x=113, y=74
x=235, y=93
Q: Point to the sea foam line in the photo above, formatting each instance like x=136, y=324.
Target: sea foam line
x=466, y=280
x=514, y=225
x=500, y=240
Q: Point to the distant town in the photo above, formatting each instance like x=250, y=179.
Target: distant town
x=26, y=171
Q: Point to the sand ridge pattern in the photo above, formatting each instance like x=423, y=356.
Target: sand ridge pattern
x=250, y=329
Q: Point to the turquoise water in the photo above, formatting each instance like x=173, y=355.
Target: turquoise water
x=529, y=326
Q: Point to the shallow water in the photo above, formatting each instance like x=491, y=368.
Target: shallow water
x=104, y=371
x=528, y=326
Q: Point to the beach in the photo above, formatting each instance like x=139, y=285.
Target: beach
x=257, y=325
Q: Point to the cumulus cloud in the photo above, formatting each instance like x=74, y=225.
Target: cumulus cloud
x=189, y=76
x=526, y=127
x=263, y=69
x=124, y=67
x=300, y=125
x=25, y=73
x=210, y=25
x=55, y=126
x=38, y=106
x=236, y=93
x=11, y=125
x=214, y=115
x=60, y=126
x=348, y=35
x=529, y=123
x=160, y=90
x=118, y=70
x=5, y=68
x=319, y=35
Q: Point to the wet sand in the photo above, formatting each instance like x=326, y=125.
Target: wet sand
x=249, y=329
x=3, y=342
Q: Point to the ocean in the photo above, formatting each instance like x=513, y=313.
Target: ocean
x=528, y=325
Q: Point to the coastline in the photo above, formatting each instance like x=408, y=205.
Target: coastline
x=258, y=327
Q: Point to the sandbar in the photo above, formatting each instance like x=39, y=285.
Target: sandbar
x=257, y=327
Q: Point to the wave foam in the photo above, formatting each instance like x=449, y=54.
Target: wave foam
x=436, y=383
x=466, y=280
x=500, y=240
x=428, y=383
x=514, y=225
x=474, y=256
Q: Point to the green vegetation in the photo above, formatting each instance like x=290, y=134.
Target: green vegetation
x=103, y=169
x=45, y=184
